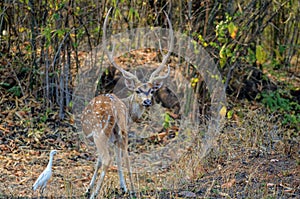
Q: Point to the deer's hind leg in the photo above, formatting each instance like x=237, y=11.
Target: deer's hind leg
x=101, y=141
x=118, y=152
x=91, y=185
x=127, y=163
x=122, y=148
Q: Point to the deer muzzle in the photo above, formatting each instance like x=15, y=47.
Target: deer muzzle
x=147, y=103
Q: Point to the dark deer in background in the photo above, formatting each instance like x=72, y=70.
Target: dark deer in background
x=106, y=117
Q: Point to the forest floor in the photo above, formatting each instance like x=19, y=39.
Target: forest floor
x=247, y=163
x=255, y=157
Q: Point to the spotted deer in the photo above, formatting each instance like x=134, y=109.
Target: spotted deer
x=106, y=117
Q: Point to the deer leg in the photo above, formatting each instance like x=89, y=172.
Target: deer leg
x=127, y=162
x=91, y=185
x=103, y=149
x=120, y=169
x=100, y=181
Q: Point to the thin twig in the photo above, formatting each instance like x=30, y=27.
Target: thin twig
x=17, y=79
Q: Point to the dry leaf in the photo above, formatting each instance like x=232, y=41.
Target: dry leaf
x=228, y=184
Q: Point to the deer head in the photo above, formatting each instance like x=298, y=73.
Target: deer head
x=142, y=91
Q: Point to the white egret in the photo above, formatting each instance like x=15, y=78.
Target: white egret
x=45, y=176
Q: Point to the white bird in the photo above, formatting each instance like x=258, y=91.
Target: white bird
x=45, y=176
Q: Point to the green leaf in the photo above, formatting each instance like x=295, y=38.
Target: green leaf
x=232, y=29
x=15, y=90
x=260, y=55
x=223, y=56
x=230, y=114
x=251, y=56
x=133, y=13
x=117, y=13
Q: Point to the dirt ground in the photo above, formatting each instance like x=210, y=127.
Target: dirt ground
x=239, y=167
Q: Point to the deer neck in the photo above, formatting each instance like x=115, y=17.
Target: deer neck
x=135, y=109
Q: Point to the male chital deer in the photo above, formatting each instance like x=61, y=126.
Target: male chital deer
x=106, y=117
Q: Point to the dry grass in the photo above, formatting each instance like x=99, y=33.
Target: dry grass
x=255, y=158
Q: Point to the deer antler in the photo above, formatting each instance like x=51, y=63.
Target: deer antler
x=165, y=56
x=126, y=74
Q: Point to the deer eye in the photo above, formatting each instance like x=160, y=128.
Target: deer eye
x=138, y=91
x=152, y=91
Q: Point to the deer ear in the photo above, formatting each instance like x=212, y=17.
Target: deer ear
x=157, y=85
x=129, y=84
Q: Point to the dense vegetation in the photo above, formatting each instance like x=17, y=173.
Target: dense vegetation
x=255, y=43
